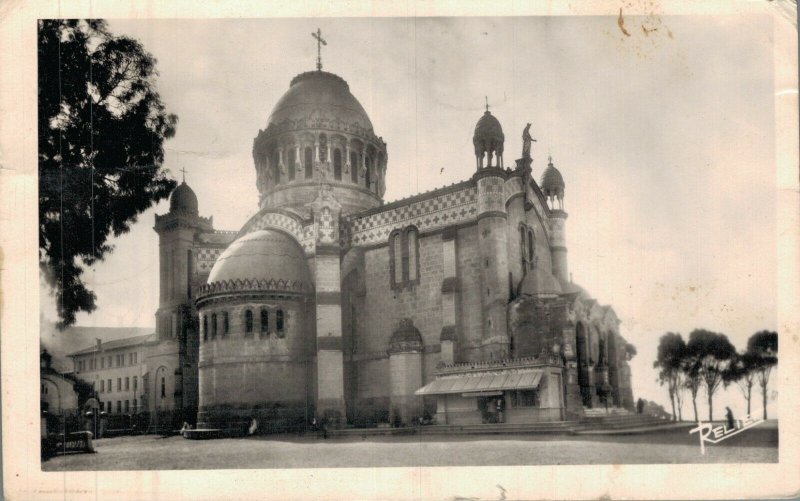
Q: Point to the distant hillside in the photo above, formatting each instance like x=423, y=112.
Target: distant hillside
x=59, y=344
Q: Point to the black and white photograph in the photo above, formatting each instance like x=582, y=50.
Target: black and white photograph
x=407, y=241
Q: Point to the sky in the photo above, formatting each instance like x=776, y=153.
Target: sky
x=664, y=138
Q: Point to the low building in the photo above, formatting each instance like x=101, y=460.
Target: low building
x=57, y=392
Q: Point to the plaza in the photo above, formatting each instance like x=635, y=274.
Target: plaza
x=152, y=452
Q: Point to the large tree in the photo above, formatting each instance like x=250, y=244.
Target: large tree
x=742, y=371
x=669, y=361
x=763, y=346
x=101, y=127
x=711, y=353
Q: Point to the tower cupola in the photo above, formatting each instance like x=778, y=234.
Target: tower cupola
x=553, y=185
x=488, y=140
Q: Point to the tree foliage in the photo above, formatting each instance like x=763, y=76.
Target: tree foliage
x=101, y=130
x=742, y=371
x=763, y=346
x=669, y=361
x=710, y=354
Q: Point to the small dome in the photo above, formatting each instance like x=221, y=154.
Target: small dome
x=552, y=182
x=538, y=282
x=183, y=199
x=323, y=95
x=488, y=128
x=261, y=255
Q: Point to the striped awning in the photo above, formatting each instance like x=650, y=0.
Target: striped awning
x=482, y=383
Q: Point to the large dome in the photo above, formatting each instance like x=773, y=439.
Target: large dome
x=320, y=95
x=261, y=255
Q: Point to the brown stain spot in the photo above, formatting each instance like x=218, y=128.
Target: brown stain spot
x=621, y=23
x=794, y=338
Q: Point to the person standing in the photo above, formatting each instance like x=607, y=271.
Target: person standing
x=729, y=417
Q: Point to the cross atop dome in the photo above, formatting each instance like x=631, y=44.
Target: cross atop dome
x=320, y=42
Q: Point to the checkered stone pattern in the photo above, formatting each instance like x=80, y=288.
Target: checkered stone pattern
x=308, y=242
x=328, y=226
x=491, y=194
x=206, y=257
x=275, y=220
x=435, y=212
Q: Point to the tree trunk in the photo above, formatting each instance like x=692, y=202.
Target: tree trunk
x=694, y=404
x=749, y=396
x=764, y=396
x=710, y=408
x=672, y=401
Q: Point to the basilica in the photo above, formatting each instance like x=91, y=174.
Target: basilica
x=454, y=306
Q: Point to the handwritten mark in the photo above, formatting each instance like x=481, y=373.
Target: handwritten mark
x=621, y=23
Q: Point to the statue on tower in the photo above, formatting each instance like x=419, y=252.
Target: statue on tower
x=527, y=140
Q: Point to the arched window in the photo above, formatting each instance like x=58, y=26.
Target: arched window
x=530, y=245
x=404, y=257
x=337, y=164
x=397, y=261
x=205, y=328
x=226, y=326
x=309, y=163
x=163, y=390
x=522, y=252
x=276, y=170
x=264, y=322
x=354, y=167
x=248, y=323
x=411, y=249
x=279, y=323
x=213, y=326
x=368, y=163
x=291, y=163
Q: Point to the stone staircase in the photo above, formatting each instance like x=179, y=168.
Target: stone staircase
x=620, y=421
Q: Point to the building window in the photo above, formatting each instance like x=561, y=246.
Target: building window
x=102, y=385
x=397, y=259
x=404, y=257
x=102, y=362
x=110, y=389
x=135, y=383
x=248, y=322
x=226, y=326
x=127, y=406
x=205, y=328
x=368, y=164
x=522, y=252
x=530, y=245
x=163, y=387
x=337, y=164
x=264, y=322
x=119, y=406
x=119, y=384
x=127, y=383
x=135, y=405
x=525, y=398
x=279, y=323
x=354, y=167
x=135, y=357
x=291, y=164
x=309, y=163
x=213, y=326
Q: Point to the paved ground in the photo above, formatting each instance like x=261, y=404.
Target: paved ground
x=757, y=445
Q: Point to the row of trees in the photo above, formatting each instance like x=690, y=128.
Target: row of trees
x=710, y=361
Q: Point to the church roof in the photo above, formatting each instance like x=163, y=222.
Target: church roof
x=261, y=255
x=320, y=94
x=115, y=344
x=183, y=199
x=538, y=282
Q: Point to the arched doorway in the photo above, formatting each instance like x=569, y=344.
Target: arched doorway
x=582, y=353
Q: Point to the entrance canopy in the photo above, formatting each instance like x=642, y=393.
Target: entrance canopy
x=482, y=383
